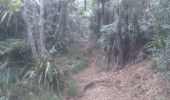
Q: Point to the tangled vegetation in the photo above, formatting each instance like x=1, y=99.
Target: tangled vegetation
x=40, y=39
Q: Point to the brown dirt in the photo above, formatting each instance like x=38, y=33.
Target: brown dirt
x=134, y=82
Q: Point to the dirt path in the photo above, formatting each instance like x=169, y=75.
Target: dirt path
x=113, y=86
x=131, y=83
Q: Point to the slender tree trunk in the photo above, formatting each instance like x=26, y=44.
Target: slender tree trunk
x=85, y=5
x=64, y=19
x=41, y=34
x=30, y=36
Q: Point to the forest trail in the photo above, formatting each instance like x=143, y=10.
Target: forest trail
x=131, y=83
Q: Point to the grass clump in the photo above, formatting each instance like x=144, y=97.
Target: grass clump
x=41, y=97
x=73, y=89
x=80, y=66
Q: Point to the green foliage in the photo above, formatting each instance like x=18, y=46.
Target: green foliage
x=154, y=44
x=15, y=59
x=7, y=47
x=107, y=29
x=12, y=7
x=15, y=52
x=23, y=91
x=61, y=28
x=106, y=32
x=80, y=66
x=73, y=88
x=158, y=44
x=48, y=76
x=41, y=97
x=10, y=18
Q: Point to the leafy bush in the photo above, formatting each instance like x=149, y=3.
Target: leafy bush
x=162, y=57
x=154, y=44
x=15, y=58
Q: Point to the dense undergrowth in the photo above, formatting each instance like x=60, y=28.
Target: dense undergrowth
x=40, y=42
x=31, y=80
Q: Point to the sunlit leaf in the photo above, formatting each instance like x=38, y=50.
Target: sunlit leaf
x=4, y=16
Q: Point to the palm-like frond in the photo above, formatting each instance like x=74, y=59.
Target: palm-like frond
x=9, y=65
x=10, y=45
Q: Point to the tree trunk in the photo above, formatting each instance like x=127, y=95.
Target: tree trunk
x=64, y=19
x=85, y=5
x=30, y=36
x=41, y=34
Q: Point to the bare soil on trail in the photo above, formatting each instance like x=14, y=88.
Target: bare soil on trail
x=134, y=82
